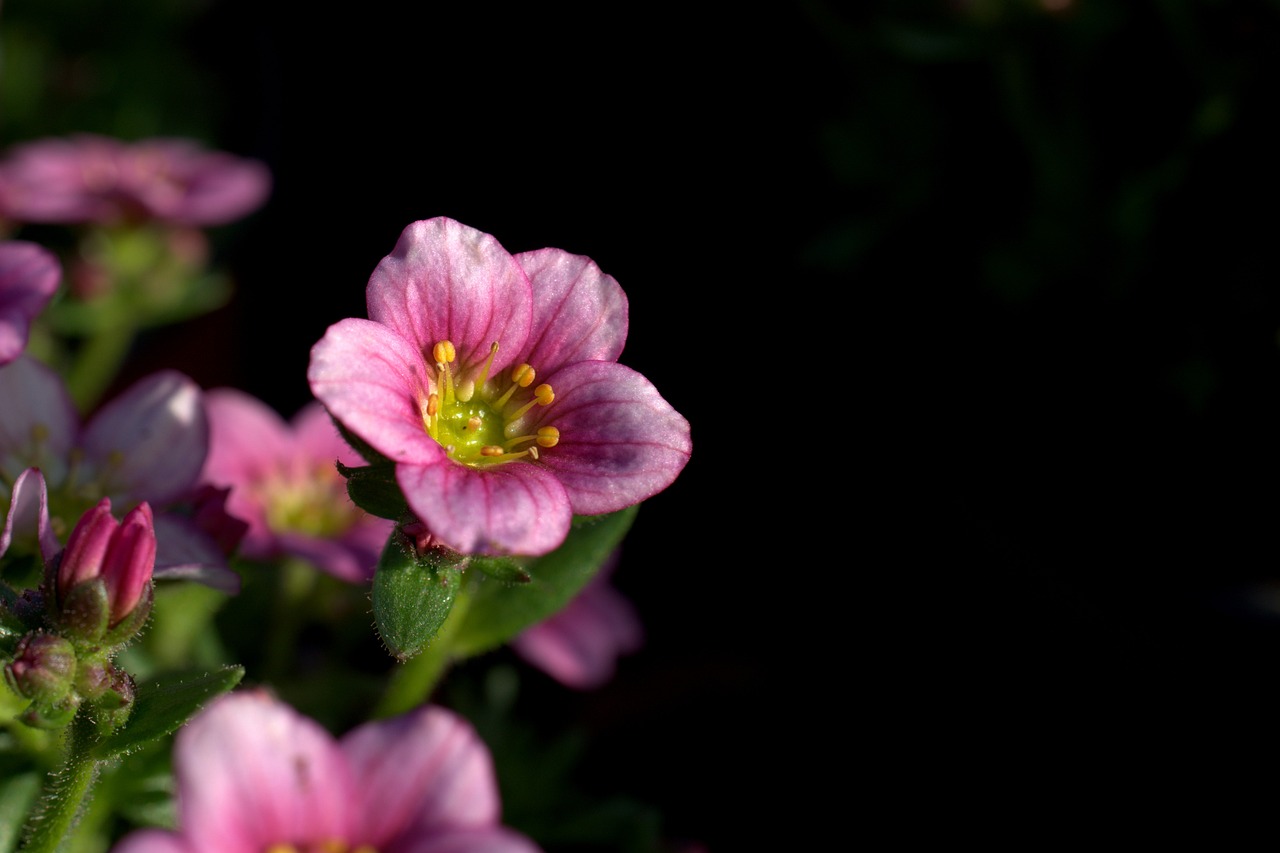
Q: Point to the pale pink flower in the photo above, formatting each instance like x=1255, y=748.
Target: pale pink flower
x=492, y=382
x=254, y=775
x=285, y=485
x=86, y=178
x=580, y=645
x=29, y=276
x=147, y=444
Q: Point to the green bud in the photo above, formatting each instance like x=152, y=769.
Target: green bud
x=43, y=668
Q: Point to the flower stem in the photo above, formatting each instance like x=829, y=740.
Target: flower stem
x=97, y=362
x=66, y=791
x=412, y=682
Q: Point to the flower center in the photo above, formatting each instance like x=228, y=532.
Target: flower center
x=314, y=503
x=331, y=845
x=481, y=421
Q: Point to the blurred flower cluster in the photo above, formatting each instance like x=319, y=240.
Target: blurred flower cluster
x=186, y=574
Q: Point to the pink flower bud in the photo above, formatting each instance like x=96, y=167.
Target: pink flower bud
x=122, y=554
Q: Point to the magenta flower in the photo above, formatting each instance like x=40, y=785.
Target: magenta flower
x=147, y=444
x=254, y=775
x=121, y=553
x=285, y=486
x=29, y=276
x=492, y=383
x=89, y=178
x=580, y=645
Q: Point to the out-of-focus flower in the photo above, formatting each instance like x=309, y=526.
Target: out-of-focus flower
x=147, y=444
x=29, y=276
x=254, y=775
x=492, y=382
x=119, y=554
x=86, y=178
x=580, y=645
x=284, y=484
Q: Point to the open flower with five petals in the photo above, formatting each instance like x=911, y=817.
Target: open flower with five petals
x=491, y=381
x=284, y=485
x=147, y=444
x=254, y=775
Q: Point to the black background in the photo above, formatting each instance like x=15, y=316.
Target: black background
x=972, y=307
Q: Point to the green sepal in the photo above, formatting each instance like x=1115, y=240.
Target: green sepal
x=374, y=489
x=505, y=569
x=162, y=705
x=499, y=611
x=413, y=594
x=85, y=612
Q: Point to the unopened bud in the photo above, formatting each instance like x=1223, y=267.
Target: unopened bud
x=119, y=555
x=43, y=668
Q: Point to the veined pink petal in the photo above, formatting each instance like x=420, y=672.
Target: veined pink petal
x=620, y=441
x=425, y=769
x=515, y=508
x=579, y=313
x=447, y=281
x=29, y=276
x=87, y=547
x=38, y=422
x=29, y=509
x=374, y=381
x=253, y=772
x=152, y=438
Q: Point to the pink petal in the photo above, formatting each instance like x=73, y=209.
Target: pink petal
x=157, y=841
x=315, y=438
x=252, y=772
x=620, y=441
x=426, y=769
x=153, y=438
x=246, y=436
x=185, y=552
x=579, y=313
x=446, y=281
x=28, y=509
x=496, y=839
x=515, y=508
x=29, y=276
x=374, y=381
x=38, y=422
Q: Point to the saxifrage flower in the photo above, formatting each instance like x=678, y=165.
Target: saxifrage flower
x=88, y=177
x=284, y=485
x=254, y=775
x=492, y=382
x=147, y=444
x=29, y=276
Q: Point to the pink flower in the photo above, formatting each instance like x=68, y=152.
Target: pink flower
x=492, y=382
x=147, y=444
x=285, y=485
x=29, y=275
x=580, y=645
x=253, y=775
x=89, y=178
x=121, y=553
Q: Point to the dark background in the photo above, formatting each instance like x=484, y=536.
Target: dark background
x=973, y=309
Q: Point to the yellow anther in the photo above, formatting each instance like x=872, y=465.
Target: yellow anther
x=548, y=436
x=491, y=450
x=544, y=395
x=433, y=405
x=522, y=375
x=281, y=848
x=444, y=352
x=474, y=422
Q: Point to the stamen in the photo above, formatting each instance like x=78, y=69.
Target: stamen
x=521, y=377
x=491, y=450
x=474, y=422
x=444, y=354
x=548, y=436
x=488, y=363
x=542, y=396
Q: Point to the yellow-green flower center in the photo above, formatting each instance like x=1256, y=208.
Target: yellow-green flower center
x=332, y=845
x=481, y=421
x=315, y=503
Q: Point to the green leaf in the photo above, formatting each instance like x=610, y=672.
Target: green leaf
x=17, y=795
x=499, y=610
x=412, y=595
x=161, y=706
x=374, y=489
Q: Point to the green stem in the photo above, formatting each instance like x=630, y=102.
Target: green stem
x=297, y=580
x=412, y=682
x=97, y=362
x=66, y=791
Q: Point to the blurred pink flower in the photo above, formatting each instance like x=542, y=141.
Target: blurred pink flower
x=580, y=645
x=29, y=276
x=284, y=484
x=147, y=444
x=253, y=775
x=86, y=178
x=441, y=380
